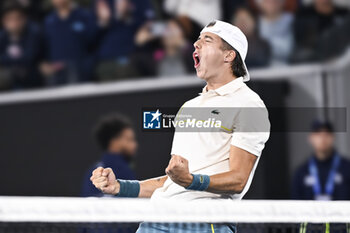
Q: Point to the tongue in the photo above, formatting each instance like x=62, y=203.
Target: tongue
x=196, y=62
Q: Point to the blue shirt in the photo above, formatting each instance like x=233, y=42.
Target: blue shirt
x=70, y=41
x=22, y=56
x=302, y=185
x=118, y=40
x=118, y=164
x=69, y=38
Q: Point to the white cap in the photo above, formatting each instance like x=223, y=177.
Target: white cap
x=233, y=36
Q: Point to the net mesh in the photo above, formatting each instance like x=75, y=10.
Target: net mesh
x=46, y=227
x=115, y=215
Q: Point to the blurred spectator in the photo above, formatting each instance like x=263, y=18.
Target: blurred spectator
x=200, y=12
x=35, y=8
x=259, y=54
x=325, y=47
x=20, y=43
x=69, y=33
x=158, y=8
x=288, y=5
x=326, y=174
x=276, y=27
x=122, y=19
x=229, y=7
x=291, y=5
x=312, y=24
x=116, y=138
x=172, y=56
x=176, y=56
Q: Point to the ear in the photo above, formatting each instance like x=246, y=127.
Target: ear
x=229, y=56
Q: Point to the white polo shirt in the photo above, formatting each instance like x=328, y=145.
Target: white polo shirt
x=208, y=152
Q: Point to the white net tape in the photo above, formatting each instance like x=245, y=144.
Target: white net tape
x=46, y=209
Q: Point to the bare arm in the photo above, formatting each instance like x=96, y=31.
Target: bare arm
x=233, y=181
x=147, y=187
x=105, y=180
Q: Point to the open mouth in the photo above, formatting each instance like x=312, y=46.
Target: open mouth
x=196, y=59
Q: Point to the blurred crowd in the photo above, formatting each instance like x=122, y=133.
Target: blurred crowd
x=57, y=42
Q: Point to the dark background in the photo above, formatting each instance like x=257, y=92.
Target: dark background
x=46, y=147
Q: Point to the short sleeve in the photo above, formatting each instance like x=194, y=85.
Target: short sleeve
x=251, y=127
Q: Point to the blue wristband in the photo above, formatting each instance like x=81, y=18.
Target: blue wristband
x=128, y=188
x=199, y=183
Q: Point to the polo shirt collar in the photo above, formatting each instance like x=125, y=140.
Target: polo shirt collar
x=227, y=88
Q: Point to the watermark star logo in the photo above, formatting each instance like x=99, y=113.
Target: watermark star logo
x=186, y=120
x=152, y=119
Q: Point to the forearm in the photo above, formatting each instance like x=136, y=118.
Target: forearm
x=233, y=181
x=230, y=182
x=147, y=187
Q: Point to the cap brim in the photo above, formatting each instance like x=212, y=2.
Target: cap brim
x=246, y=77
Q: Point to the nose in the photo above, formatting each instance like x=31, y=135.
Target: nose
x=196, y=44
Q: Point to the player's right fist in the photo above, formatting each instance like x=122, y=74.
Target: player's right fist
x=104, y=180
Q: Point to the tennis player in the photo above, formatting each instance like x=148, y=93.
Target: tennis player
x=207, y=165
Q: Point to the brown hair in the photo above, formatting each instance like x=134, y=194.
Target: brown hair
x=237, y=66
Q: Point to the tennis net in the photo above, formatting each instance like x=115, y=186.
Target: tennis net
x=107, y=215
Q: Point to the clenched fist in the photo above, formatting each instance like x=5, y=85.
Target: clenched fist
x=104, y=180
x=178, y=171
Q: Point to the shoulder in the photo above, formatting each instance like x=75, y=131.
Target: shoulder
x=345, y=162
x=287, y=17
x=302, y=169
x=344, y=167
x=341, y=11
x=2, y=34
x=192, y=102
x=249, y=98
x=97, y=164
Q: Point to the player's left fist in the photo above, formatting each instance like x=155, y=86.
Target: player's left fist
x=178, y=171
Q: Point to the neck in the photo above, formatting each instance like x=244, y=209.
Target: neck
x=119, y=155
x=171, y=51
x=324, y=155
x=272, y=16
x=114, y=151
x=220, y=80
x=15, y=36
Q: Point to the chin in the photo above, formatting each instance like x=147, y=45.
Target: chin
x=200, y=75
